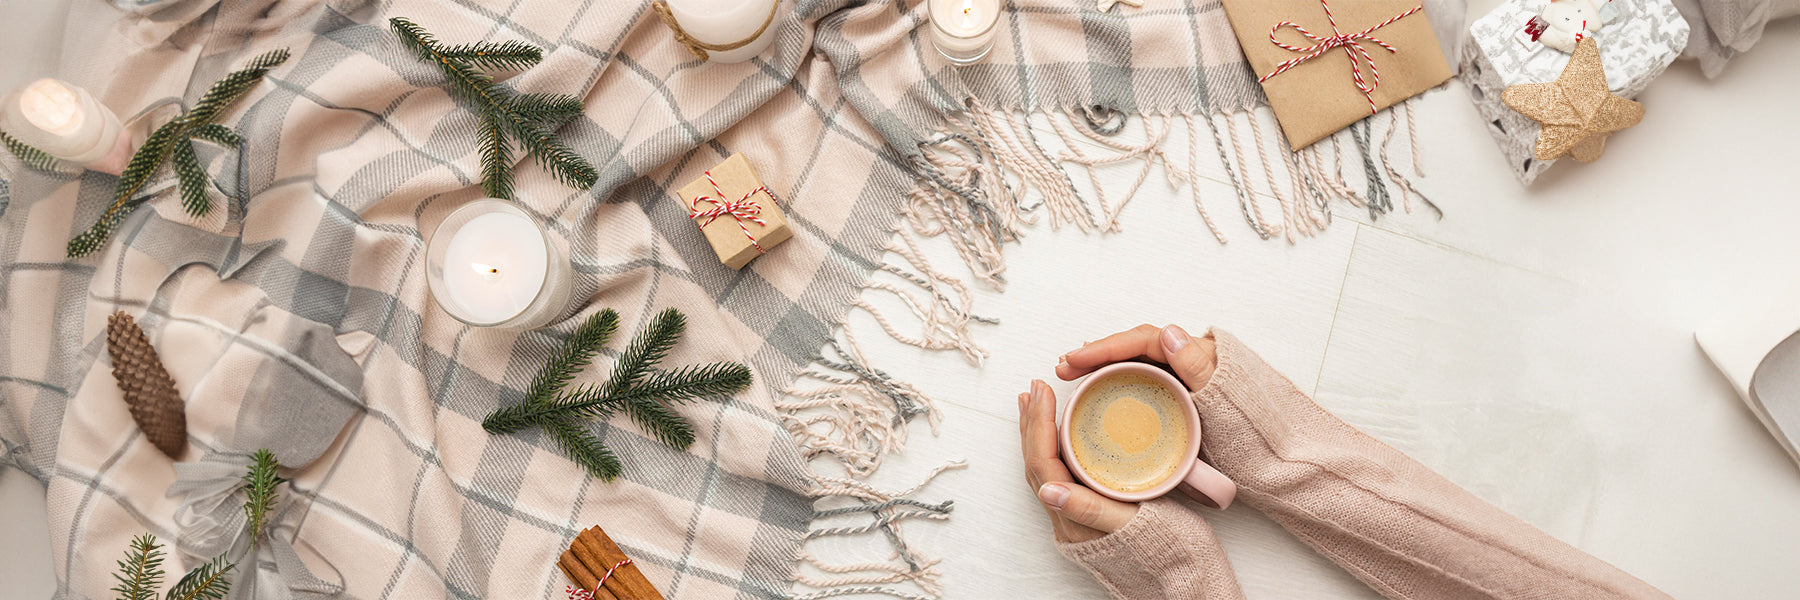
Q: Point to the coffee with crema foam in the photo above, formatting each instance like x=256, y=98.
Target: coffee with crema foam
x=1128, y=432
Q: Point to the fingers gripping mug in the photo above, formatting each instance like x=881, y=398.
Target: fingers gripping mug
x=1131, y=433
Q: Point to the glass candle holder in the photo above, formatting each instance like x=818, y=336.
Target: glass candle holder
x=963, y=30
x=66, y=122
x=490, y=264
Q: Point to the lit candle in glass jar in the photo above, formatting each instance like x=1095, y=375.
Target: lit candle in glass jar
x=490, y=264
x=724, y=23
x=963, y=30
x=66, y=122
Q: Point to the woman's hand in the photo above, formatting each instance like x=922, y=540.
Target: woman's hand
x=1078, y=513
x=1191, y=358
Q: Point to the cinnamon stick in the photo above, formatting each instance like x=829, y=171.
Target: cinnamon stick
x=583, y=578
x=630, y=581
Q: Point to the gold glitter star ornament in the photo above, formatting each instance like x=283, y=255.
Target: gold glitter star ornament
x=1577, y=111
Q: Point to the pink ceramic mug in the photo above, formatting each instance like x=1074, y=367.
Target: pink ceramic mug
x=1201, y=480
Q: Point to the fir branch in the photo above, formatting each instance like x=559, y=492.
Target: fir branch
x=32, y=157
x=633, y=388
x=505, y=56
x=218, y=134
x=661, y=421
x=526, y=117
x=175, y=139
x=678, y=386
x=206, y=582
x=192, y=178
x=649, y=348
x=576, y=353
x=582, y=447
x=228, y=90
x=141, y=572
x=496, y=161
x=259, y=486
x=547, y=109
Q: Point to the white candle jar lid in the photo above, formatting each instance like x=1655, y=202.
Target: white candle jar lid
x=552, y=296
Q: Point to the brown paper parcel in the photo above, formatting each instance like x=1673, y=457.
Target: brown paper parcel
x=736, y=178
x=1317, y=98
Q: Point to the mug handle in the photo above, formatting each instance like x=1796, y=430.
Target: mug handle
x=1208, y=485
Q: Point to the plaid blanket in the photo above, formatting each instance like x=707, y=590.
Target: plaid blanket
x=355, y=151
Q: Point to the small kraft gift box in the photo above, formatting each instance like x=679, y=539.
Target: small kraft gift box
x=1325, y=64
x=1637, y=41
x=735, y=211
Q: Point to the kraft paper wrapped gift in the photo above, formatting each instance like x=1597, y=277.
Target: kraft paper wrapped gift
x=1318, y=97
x=738, y=216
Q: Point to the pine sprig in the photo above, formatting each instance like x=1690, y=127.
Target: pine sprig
x=141, y=572
x=206, y=582
x=505, y=56
x=584, y=448
x=633, y=388
x=174, y=140
x=529, y=118
x=259, y=487
x=32, y=157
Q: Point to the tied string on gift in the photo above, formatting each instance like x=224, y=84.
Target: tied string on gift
x=576, y=593
x=1352, y=43
x=740, y=210
x=699, y=48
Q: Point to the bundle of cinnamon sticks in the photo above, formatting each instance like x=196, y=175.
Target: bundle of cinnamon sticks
x=591, y=556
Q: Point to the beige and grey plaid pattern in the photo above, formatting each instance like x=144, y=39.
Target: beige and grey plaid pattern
x=355, y=152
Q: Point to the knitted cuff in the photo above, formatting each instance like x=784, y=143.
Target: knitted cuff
x=1165, y=551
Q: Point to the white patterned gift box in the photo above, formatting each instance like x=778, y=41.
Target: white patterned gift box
x=1638, y=39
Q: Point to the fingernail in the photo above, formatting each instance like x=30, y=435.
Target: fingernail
x=1037, y=388
x=1023, y=398
x=1053, y=495
x=1062, y=362
x=1174, y=339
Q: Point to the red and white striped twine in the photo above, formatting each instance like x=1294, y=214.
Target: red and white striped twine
x=1351, y=43
x=741, y=210
x=576, y=593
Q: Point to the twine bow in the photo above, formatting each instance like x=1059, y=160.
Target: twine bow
x=1351, y=43
x=740, y=210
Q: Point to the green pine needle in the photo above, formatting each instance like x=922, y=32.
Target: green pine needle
x=259, y=486
x=206, y=582
x=32, y=157
x=496, y=161
x=141, y=572
x=649, y=348
x=585, y=449
x=527, y=117
x=192, y=178
x=505, y=56
x=633, y=389
x=218, y=134
x=175, y=140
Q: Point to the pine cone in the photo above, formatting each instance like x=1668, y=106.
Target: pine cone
x=155, y=403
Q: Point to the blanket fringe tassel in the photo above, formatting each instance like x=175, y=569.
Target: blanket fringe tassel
x=978, y=184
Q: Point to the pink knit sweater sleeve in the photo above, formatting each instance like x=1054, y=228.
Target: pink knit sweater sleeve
x=1165, y=552
x=1390, y=521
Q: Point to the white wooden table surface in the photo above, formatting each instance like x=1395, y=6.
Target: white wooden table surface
x=1535, y=346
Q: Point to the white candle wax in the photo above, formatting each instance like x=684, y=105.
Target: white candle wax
x=490, y=264
x=723, y=22
x=64, y=121
x=963, y=30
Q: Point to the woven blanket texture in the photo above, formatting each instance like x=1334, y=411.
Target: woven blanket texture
x=355, y=151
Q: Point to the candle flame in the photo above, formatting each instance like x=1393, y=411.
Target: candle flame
x=51, y=106
x=485, y=270
x=968, y=20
